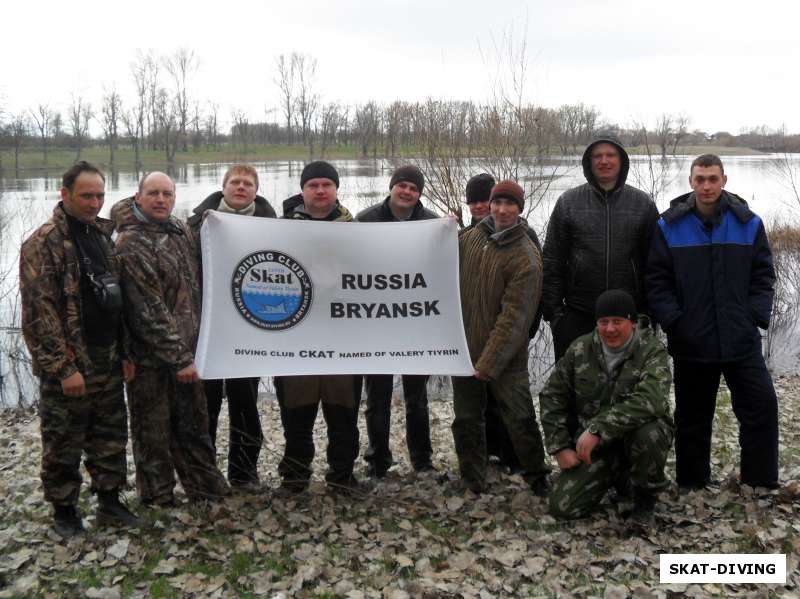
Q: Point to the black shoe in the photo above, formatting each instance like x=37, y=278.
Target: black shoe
x=623, y=487
x=685, y=489
x=424, y=467
x=644, y=504
x=541, y=486
x=67, y=521
x=375, y=472
x=290, y=488
x=247, y=487
x=111, y=512
x=464, y=484
x=351, y=487
x=165, y=501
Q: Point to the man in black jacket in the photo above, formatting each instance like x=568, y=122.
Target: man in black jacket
x=238, y=196
x=597, y=239
x=402, y=204
x=710, y=282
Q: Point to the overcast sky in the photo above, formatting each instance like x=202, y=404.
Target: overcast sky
x=728, y=65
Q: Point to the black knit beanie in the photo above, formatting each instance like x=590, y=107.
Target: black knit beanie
x=409, y=173
x=615, y=302
x=319, y=169
x=479, y=188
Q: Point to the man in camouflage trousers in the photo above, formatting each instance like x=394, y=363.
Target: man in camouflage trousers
x=501, y=281
x=74, y=336
x=169, y=419
x=616, y=380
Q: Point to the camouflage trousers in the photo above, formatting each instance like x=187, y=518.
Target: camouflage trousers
x=94, y=424
x=640, y=457
x=169, y=429
x=513, y=394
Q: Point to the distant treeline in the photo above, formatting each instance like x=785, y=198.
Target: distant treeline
x=165, y=114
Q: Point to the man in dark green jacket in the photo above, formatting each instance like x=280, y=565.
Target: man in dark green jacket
x=500, y=278
x=616, y=381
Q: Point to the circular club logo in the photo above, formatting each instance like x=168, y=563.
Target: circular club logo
x=271, y=290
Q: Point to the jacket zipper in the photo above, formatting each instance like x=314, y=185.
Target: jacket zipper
x=608, y=243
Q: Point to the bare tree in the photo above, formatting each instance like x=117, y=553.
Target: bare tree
x=134, y=119
x=18, y=130
x=786, y=169
x=680, y=131
x=669, y=131
x=80, y=111
x=212, y=126
x=42, y=117
x=181, y=66
x=285, y=81
x=56, y=128
x=166, y=123
x=241, y=126
x=366, y=127
x=197, y=122
x=111, y=113
x=307, y=98
x=331, y=119
x=653, y=173
x=155, y=104
x=508, y=137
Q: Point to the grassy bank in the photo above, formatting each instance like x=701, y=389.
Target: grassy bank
x=58, y=159
x=125, y=159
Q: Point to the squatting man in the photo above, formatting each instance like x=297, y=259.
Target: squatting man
x=615, y=383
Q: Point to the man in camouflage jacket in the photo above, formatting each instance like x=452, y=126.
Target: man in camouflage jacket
x=169, y=419
x=76, y=349
x=500, y=280
x=616, y=381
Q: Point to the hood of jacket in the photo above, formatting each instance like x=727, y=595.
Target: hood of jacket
x=126, y=215
x=685, y=203
x=625, y=163
x=212, y=202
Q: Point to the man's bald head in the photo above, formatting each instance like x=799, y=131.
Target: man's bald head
x=156, y=196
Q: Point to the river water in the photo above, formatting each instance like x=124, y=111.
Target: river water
x=26, y=201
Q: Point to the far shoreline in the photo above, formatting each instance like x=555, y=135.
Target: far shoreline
x=32, y=162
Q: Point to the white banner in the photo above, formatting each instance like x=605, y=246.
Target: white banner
x=290, y=297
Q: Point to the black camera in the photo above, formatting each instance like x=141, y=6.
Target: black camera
x=107, y=292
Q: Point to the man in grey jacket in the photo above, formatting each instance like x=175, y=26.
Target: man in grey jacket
x=597, y=239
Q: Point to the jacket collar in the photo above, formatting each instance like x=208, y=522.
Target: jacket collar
x=643, y=329
x=388, y=215
x=684, y=204
x=507, y=236
x=213, y=201
x=103, y=225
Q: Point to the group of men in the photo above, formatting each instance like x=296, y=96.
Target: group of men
x=101, y=312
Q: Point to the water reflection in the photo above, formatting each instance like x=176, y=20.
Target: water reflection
x=26, y=201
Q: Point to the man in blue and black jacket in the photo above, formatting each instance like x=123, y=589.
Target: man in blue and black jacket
x=710, y=282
